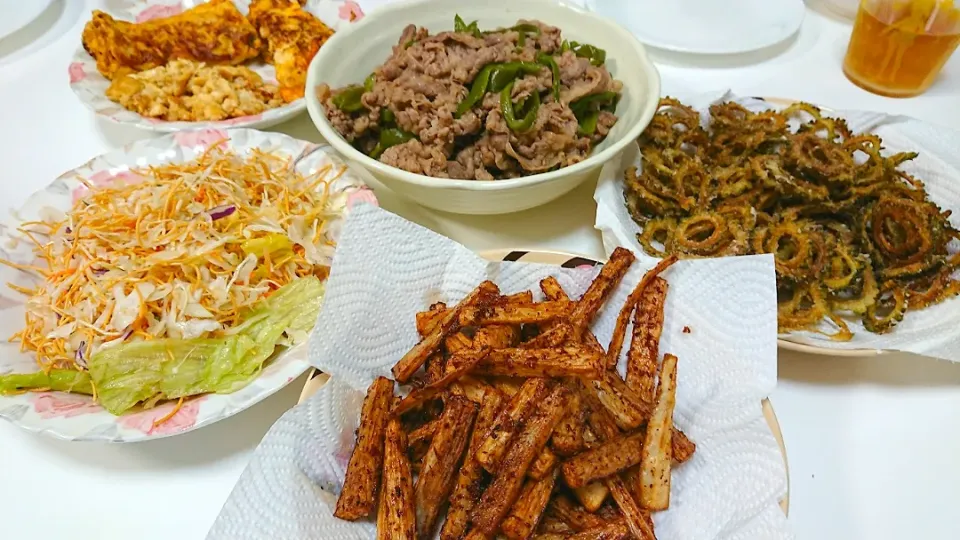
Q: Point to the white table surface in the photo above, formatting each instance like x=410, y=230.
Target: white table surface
x=872, y=443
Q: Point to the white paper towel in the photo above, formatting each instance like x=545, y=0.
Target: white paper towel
x=931, y=331
x=386, y=269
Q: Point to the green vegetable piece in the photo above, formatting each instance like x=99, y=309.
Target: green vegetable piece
x=564, y=46
x=503, y=74
x=550, y=62
x=588, y=125
x=60, y=380
x=477, y=90
x=390, y=137
x=387, y=118
x=461, y=27
x=369, y=82
x=528, y=110
x=348, y=100
x=593, y=102
x=458, y=24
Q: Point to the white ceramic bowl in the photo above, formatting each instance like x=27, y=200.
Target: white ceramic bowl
x=355, y=51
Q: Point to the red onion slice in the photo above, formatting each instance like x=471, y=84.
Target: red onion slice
x=222, y=211
x=78, y=356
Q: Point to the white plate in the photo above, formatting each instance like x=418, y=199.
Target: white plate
x=15, y=14
x=90, y=86
x=707, y=26
x=77, y=417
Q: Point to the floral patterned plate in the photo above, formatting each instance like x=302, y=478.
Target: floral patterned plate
x=90, y=86
x=77, y=417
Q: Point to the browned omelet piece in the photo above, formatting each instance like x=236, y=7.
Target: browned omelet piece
x=214, y=33
x=291, y=37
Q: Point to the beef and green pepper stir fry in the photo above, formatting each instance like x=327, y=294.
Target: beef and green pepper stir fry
x=481, y=105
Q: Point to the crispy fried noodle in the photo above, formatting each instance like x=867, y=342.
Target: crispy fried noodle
x=176, y=279
x=851, y=233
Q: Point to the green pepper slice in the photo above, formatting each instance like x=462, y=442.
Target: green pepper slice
x=460, y=27
x=596, y=55
x=550, y=62
x=588, y=124
x=369, y=82
x=348, y=100
x=477, y=90
x=503, y=74
x=390, y=137
x=593, y=102
x=387, y=117
x=529, y=110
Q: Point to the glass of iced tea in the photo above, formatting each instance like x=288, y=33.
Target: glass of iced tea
x=899, y=46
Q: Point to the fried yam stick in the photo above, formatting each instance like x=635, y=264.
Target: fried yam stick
x=472, y=389
x=359, y=494
x=567, y=438
x=610, y=458
x=515, y=313
x=508, y=423
x=574, y=515
x=598, y=291
x=415, y=357
x=623, y=318
x=638, y=520
x=505, y=487
x=616, y=530
x=556, y=336
x=429, y=319
x=401, y=516
x=527, y=512
x=628, y=410
x=545, y=463
x=566, y=361
x=462, y=363
x=644, y=352
x=467, y=490
x=553, y=524
x=457, y=342
x=553, y=291
x=656, y=458
x=592, y=495
x=439, y=471
x=497, y=336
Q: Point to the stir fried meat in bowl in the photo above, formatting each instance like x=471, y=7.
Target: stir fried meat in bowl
x=479, y=104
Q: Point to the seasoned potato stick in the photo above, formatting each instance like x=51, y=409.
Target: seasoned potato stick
x=429, y=319
x=656, y=458
x=592, y=495
x=415, y=357
x=616, y=530
x=545, y=463
x=638, y=521
x=627, y=408
x=401, y=518
x=556, y=336
x=573, y=514
x=463, y=363
x=553, y=291
x=528, y=510
x=439, y=471
x=508, y=423
x=644, y=348
x=359, y=494
x=610, y=458
x=517, y=313
x=505, y=487
x=566, y=361
x=620, y=329
x=596, y=294
x=467, y=490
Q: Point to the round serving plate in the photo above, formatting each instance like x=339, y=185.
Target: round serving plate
x=75, y=417
x=90, y=86
x=316, y=379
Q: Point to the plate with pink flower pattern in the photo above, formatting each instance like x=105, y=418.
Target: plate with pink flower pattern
x=75, y=416
x=90, y=85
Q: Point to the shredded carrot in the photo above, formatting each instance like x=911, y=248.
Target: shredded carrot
x=169, y=415
x=131, y=254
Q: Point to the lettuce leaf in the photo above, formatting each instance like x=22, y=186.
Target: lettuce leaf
x=141, y=371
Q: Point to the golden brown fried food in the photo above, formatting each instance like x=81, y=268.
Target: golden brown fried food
x=214, y=32
x=853, y=236
x=291, y=38
x=187, y=91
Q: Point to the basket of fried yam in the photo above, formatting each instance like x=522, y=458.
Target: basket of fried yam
x=518, y=424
